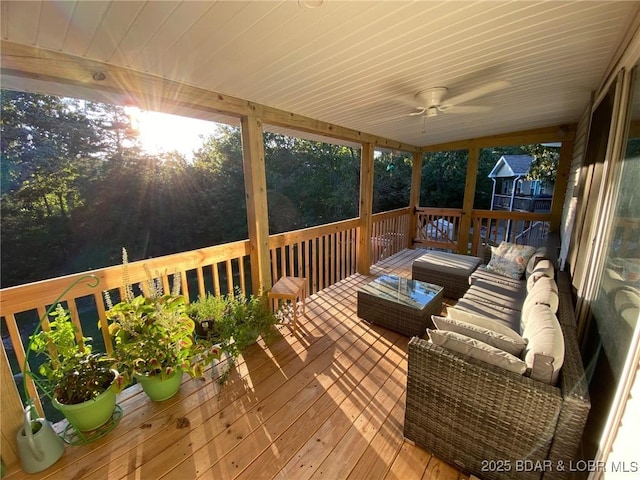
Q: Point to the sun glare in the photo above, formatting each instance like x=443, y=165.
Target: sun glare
x=162, y=132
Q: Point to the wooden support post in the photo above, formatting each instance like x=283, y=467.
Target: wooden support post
x=469, y=194
x=255, y=186
x=560, y=187
x=366, y=208
x=414, y=196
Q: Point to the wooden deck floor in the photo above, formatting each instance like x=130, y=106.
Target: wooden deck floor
x=327, y=403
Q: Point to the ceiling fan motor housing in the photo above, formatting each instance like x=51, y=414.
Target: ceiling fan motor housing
x=431, y=112
x=431, y=97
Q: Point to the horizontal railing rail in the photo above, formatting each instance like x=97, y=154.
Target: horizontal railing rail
x=327, y=254
x=522, y=203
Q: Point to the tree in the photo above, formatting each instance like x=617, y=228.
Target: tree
x=443, y=179
x=545, y=165
x=220, y=186
x=309, y=183
x=48, y=146
x=77, y=187
x=392, y=181
x=47, y=143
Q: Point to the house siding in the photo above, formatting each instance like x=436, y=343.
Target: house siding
x=571, y=200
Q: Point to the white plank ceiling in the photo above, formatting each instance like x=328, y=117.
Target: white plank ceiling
x=355, y=64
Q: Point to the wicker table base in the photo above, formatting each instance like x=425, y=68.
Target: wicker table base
x=400, y=304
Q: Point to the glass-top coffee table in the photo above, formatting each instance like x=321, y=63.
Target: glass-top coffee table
x=400, y=304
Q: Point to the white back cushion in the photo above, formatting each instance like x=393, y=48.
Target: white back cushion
x=544, y=353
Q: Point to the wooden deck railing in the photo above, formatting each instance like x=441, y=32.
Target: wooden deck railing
x=489, y=226
x=522, y=203
x=389, y=233
x=199, y=271
x=324, y=255
x=438, y=227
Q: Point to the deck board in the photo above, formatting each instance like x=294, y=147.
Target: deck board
x=325, y=403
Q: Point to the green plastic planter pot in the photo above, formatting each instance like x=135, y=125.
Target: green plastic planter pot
x=91, y=414
x=158, y=389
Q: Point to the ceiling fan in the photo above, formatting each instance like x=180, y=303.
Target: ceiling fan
x=432, y=101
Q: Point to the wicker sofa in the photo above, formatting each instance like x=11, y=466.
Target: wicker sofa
x=486, y=420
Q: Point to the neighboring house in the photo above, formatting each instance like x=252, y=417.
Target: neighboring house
x=512, y=191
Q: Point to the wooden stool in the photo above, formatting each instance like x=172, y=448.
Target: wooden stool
x=292, y=289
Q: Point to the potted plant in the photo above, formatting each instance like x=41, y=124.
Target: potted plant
x=210, y=314
x=83, y=384
x=251, y=317
x=154, y=340
x=233, y=322
x=207, y=313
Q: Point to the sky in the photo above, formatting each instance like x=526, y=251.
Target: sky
x=161, y=132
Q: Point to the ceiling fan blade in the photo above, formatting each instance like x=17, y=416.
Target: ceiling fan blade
x=465, y=109
x=485, y=89
x=419, y=111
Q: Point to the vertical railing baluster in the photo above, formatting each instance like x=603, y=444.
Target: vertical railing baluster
x=243, y=286
x=200, y=274
x=216, y=280
x=230, y=288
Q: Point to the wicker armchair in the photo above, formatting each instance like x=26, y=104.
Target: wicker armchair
x=493, y=423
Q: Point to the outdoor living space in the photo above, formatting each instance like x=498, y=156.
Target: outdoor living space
x=341, y=140
x=327, y=402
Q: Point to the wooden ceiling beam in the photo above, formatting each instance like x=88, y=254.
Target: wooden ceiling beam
x=151, y=92
x=557, y=133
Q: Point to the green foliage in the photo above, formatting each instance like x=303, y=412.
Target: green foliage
x=309, y=183
x=48, y=146
x=207, y=307
x=545, y=165
x=238, y=320
x=250, y=318
x=154, y=337
x=443, y=179
x=391, y=181
x=73, y=372
x=206, y=312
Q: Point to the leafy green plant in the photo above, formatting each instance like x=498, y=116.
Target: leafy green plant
x=207, y=313
x=251, y=318
x=73, y=372
x=153, y=333
x=234, y=321
x=154, y=337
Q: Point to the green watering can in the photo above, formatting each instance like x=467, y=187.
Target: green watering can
x=41, y=449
